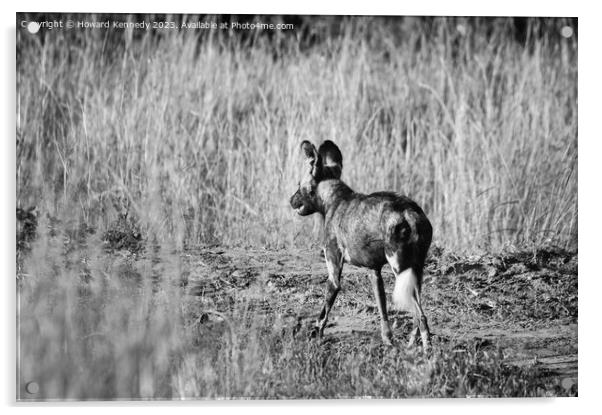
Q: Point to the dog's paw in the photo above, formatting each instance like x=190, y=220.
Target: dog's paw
x=314, y=333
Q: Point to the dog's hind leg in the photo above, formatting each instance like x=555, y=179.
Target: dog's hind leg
x=414, y=332
x=425, y=333
x=406, y=296
x=381, y=302
x=334, y=263
x=420, y=323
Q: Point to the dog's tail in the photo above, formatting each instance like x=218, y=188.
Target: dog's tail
x=406, y=293
x=407, y=239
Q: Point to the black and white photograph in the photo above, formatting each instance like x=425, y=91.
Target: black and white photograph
x=295, y=206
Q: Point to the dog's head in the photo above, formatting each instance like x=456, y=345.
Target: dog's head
x=322, y=164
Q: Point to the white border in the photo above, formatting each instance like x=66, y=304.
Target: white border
x=589, y=200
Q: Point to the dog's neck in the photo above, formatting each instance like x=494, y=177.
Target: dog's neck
x=331, y=192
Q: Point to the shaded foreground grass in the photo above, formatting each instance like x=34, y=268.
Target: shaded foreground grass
x=197, y=324
x=277, y=367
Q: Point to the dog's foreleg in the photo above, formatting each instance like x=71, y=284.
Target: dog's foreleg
x=334, y=264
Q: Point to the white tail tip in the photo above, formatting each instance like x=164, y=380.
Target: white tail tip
x=406, y=287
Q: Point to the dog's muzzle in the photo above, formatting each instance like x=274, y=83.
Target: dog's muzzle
x=297, y=204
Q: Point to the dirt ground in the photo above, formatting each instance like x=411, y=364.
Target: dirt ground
x=521, y=305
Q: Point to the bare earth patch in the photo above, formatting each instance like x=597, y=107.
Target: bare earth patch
x=520, y=307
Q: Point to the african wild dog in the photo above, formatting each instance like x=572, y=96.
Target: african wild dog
x=366, y=231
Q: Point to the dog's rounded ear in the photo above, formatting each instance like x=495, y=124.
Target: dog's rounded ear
x=332, y=158
x=312, y=156
x=309, y=150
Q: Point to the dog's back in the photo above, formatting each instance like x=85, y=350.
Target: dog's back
x=371, y=227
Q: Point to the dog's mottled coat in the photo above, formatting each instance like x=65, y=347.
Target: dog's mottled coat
x=367, y=231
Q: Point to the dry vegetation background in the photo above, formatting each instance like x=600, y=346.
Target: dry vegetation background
x=201, y=129
x=162, y=141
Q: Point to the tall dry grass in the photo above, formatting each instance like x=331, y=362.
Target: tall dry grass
x=201, y=132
